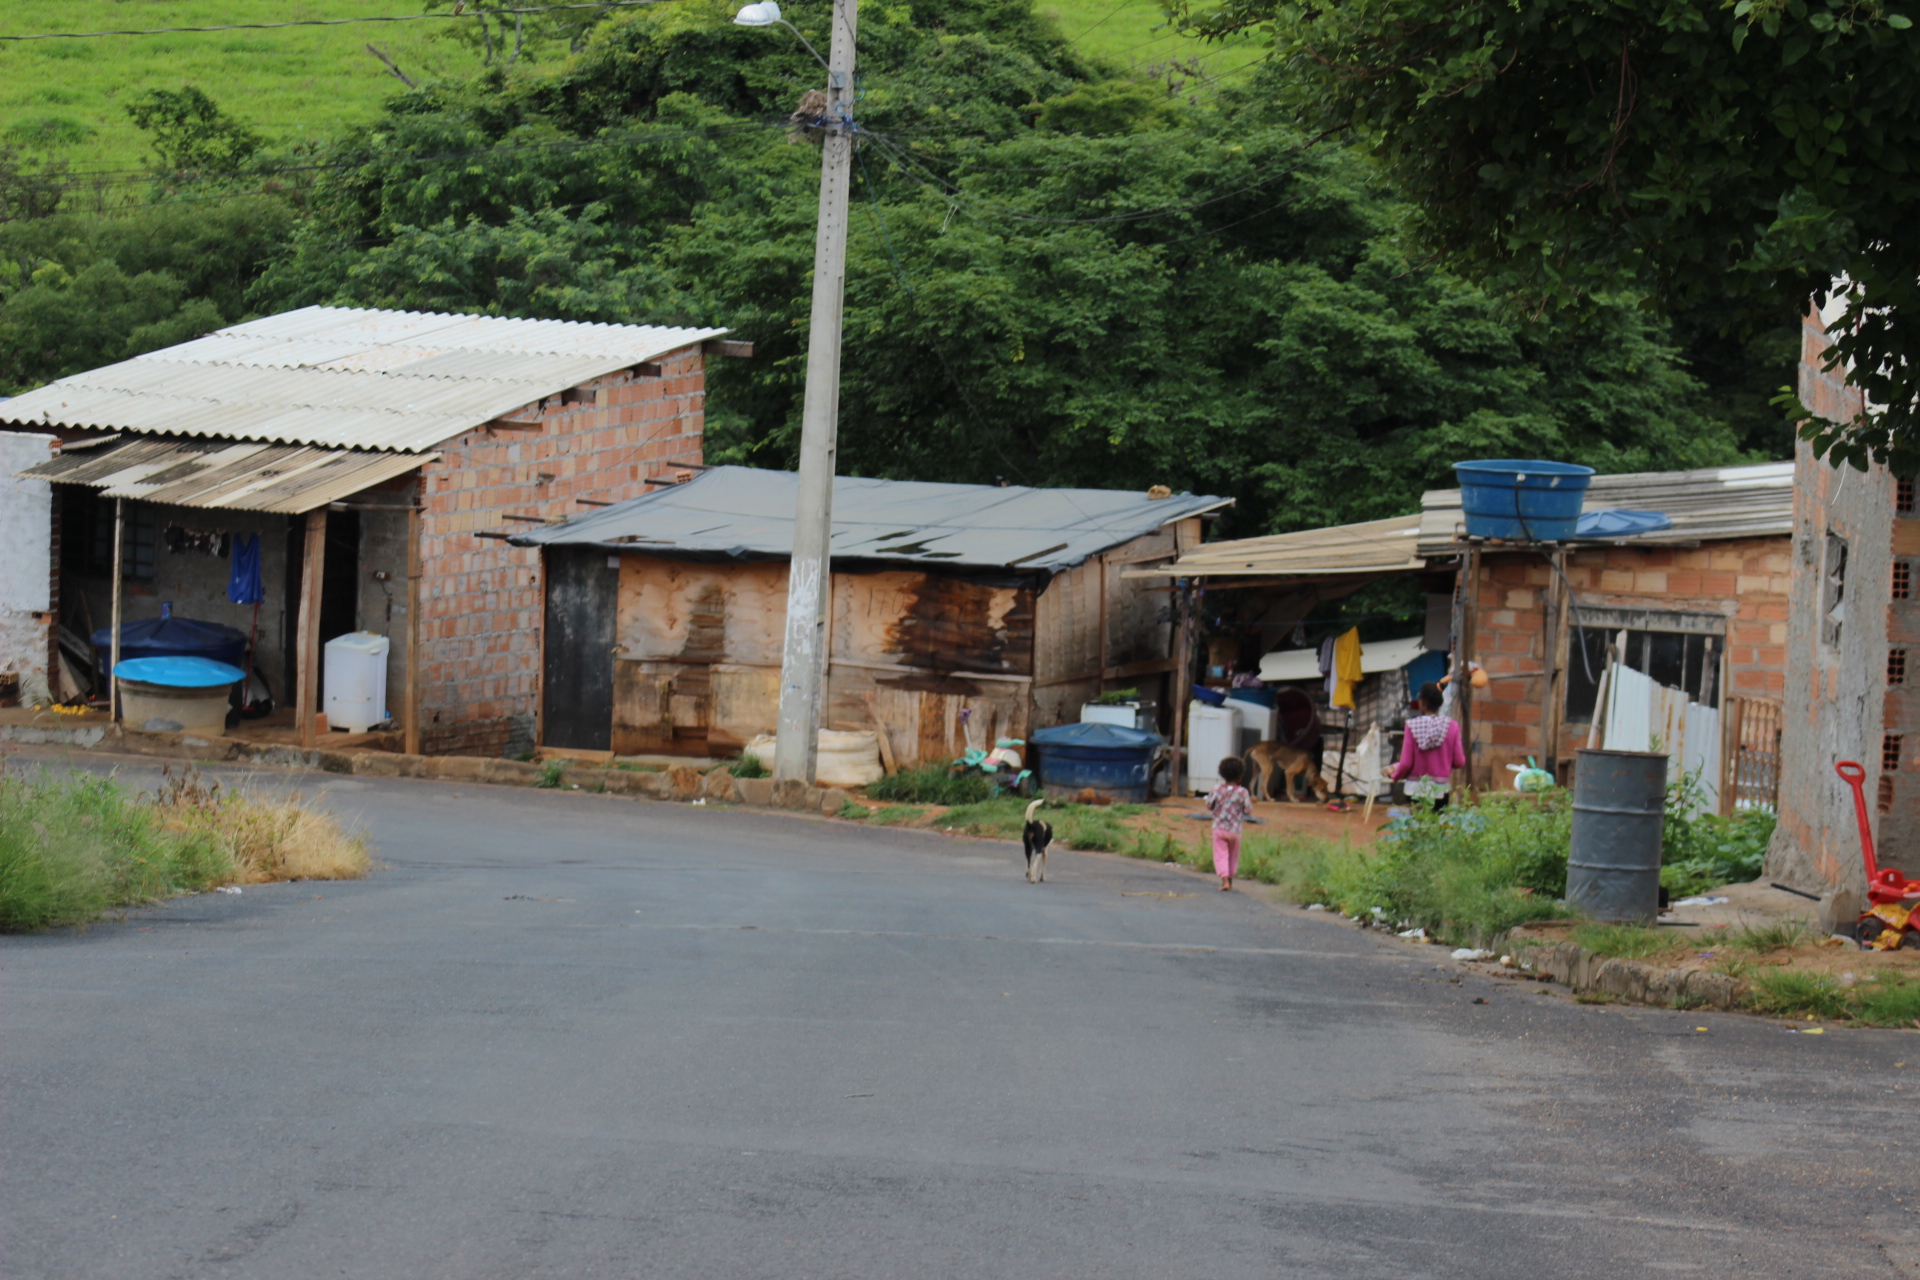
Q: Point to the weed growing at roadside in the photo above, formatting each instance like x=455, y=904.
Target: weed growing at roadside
x=1701, y=851
x=1891, y=1002
x=552, y=774
x=1002, y=816
x=1772, y=936
x=1627, y=941
x=931, y=784
x=748, y=766
x=852, y=812
x=1092, y=829
x=895, y=815
x=1795, y=993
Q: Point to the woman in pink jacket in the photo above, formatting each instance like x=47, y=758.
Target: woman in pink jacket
x=1430, y=751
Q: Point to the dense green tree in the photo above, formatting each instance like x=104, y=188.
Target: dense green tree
x=1056, y=275
x=1730, y=158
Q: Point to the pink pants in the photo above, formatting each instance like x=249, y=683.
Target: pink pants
x=1226, y=854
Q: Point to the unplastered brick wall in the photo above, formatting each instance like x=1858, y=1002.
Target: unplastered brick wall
x=480, y=598
x=1744, y=580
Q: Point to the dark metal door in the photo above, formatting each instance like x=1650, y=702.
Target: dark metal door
x=583, y=595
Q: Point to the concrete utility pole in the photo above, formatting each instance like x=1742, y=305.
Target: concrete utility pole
x=803, y=664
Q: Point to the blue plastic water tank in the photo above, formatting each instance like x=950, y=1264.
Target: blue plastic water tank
x=171, y=638
x=179, y=673
x=1522, y=499
x=1111, y=759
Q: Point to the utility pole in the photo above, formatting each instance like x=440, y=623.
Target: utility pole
x=803, y=663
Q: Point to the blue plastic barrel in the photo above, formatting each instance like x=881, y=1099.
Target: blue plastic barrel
x=1522, y=499
x=1112, y=760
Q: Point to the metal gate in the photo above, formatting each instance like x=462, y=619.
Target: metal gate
x=583, y=594
x=1750, y=755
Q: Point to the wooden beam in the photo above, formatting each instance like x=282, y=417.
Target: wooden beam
x=412, y=742
x=113, y=657
x=313, y=565
x=581, y=395
x=727, y=347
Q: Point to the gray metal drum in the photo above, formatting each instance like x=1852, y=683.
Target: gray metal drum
x=1619, y=809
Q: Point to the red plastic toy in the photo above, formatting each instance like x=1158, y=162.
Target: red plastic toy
x=1883, y=884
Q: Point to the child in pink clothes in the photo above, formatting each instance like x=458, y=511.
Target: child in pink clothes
x=1231, y=806
x=1431, y=750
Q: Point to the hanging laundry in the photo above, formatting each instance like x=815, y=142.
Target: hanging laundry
x=243, y=586
x=1346, y=668
x=1326, y=665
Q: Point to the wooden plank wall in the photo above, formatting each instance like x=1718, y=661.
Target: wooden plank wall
x=1096, y=629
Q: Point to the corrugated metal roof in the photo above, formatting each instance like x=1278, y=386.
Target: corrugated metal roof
x=745, y=513
x=346, y=377
x=288, y=479
x=1709, y=505
x=1376, y=546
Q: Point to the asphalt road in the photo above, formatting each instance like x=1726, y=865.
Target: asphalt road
x=574, y=1036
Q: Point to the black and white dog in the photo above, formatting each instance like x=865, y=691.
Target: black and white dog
x=1036, y=836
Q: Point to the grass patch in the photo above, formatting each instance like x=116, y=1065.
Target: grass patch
x=1760, y=939
x=1627, y=941
x=931, y=784
x=748, y=766
x=551, y=774
x=1095, y=830
x=895, y=815
x=632, y=766
x=853, y=812
x=1890, y=1002
x=1003, y=817
x=73, y=848
x=1793, y=993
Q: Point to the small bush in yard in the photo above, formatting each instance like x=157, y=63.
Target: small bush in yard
x=1701, y=851
x=931, y=784
x=1465, y=875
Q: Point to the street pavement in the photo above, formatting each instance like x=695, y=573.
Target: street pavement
x=577, y=1036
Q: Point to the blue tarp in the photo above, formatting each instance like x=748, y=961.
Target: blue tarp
x=171, y=638
x=1613, y=523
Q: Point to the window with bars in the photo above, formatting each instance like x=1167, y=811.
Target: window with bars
x=1902, y=580
x=1903, y=497
x=1896, y=666
x=1890, y=752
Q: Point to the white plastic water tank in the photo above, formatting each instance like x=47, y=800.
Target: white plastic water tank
x=356, y=680
x=1213, y=733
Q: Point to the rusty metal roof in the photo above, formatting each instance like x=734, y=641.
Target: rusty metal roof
x=347, y=378
x=1712, y=504
x=745, y=513
x=289, y=479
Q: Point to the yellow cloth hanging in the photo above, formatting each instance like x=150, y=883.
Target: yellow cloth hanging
x=1346, y=668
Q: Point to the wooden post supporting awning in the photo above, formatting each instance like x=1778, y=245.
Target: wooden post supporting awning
x=313, y=567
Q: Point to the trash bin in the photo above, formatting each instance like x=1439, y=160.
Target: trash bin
x=1113, y=761
x=187, y=694
x=1619, y=812
x=356, y=681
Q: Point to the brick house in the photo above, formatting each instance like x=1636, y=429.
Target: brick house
x=1702, y=605
x=1855, y=618
x=382, y=458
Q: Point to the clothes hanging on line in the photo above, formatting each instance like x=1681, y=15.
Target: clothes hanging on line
x=1346, y=669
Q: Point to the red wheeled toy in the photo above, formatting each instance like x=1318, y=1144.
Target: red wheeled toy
x=1885, y=925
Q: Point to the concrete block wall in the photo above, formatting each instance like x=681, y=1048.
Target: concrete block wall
x=1744, y=580
x=481, y=600
x=27, y=586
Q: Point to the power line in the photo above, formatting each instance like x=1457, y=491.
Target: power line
x=458, y=11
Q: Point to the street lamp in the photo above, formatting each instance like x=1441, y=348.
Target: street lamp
x=804, y=659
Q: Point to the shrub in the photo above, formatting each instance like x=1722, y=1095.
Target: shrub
x=551, y=774
x=1702, y=851
x=931, y=784
x=747, y=766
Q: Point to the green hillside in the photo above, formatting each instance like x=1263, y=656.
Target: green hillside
x=67, y=97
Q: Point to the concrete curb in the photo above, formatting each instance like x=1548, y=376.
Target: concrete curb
x=675, y=782
x=1633, y=980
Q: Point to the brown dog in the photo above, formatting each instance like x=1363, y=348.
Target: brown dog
x=1264, y=758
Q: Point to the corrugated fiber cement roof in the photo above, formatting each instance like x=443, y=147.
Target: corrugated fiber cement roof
x=342, y=377
x=745, y=513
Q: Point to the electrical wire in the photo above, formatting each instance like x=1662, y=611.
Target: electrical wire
x=458, y=11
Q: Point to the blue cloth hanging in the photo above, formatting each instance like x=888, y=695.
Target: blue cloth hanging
x=244, y=586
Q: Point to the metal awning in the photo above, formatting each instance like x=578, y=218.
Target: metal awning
x=286, y=479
